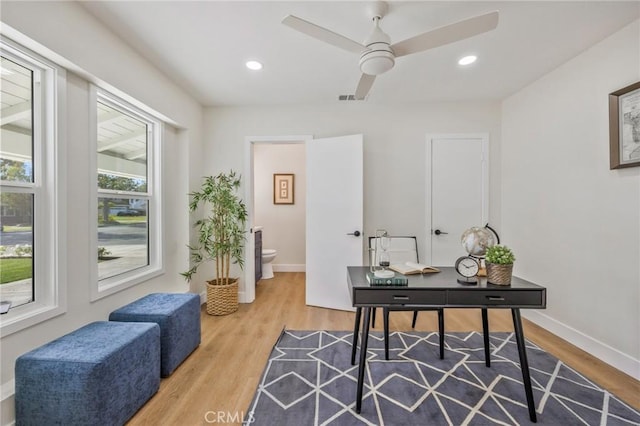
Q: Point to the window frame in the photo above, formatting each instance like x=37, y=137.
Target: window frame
x=104, y=287
x=49, y=181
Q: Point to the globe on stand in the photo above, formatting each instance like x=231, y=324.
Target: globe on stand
x=476, y=241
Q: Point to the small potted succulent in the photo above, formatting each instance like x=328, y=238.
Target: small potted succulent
x=499, y=259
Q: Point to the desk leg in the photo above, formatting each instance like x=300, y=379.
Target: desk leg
x=440, y=330
x=385, y=314
x=485, y=333
x=363, y=357
x=356, y=328
x=524, y=364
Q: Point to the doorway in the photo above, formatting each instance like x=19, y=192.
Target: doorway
x=247, y=293
x=457, y=192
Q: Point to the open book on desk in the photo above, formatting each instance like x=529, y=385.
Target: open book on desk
x=410, y=268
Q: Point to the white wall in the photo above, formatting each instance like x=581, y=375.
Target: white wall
x=81, y=42
x=554, y=166
x=573, y=223
x=394, y=148
x=283, y=224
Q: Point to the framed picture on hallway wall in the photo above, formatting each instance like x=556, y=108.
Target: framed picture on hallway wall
x=283, y=189
x=624, y=127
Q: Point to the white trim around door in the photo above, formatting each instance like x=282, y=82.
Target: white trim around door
x=247, y=292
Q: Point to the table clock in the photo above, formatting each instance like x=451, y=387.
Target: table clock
x=467, y=267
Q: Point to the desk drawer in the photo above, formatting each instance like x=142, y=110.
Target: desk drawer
x=511, y=298
x=399, y=297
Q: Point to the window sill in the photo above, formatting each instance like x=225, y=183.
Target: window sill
x=21, y=317
x=109, y=286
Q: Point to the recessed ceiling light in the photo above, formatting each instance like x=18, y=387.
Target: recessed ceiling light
x=254, y=65
x=467, y=60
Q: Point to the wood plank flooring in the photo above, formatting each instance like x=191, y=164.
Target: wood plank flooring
x=217, y=381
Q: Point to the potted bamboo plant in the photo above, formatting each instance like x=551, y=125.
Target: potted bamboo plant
x=499, y=260
x=221, y=238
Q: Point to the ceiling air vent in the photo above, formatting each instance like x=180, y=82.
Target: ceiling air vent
x=347, y=98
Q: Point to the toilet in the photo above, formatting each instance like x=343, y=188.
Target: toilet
x=267, y=257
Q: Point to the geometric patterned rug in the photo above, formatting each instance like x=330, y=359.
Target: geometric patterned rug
x=309, y=380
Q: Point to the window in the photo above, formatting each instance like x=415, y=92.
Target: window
x=16, y=174
x=127, y=205
x=31, y=207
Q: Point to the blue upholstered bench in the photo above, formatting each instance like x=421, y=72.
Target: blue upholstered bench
x=177, y=314
x=100, y=374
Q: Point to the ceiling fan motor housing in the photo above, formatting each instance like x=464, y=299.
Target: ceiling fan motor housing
x=378, y=58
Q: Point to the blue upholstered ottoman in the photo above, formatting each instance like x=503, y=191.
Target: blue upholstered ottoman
x=177, y=314
x=100, y=374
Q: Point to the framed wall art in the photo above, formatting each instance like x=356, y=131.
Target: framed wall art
x=624, y=127
x=283, y=189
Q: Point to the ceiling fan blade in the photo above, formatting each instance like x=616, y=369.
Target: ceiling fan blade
x=447, y=34
x=364, y=85
x=322, y=34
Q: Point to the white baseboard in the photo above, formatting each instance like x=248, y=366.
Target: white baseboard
x=600, y=350
x=276, y=268
x=604, y=352
x=282, y=267
x=7, y=404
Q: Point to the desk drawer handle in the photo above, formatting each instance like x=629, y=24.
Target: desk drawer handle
x=495, y=298
x=400, y=297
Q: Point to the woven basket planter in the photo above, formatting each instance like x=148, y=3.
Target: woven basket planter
x=222, y=299
x=499, y=274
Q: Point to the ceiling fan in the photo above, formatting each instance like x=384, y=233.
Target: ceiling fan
x=377, y=54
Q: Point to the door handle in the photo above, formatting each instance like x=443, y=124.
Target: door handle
x=354, y=233
x=439, y=232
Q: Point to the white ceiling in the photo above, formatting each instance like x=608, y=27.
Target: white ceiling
x=204, y=45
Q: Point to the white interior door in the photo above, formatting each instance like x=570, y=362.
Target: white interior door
x=457, y=192
x=334, y=210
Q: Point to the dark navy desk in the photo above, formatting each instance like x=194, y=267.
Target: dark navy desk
x=441, y=290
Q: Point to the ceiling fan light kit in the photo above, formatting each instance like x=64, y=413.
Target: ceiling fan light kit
x=375, y=62
x=378, y=55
